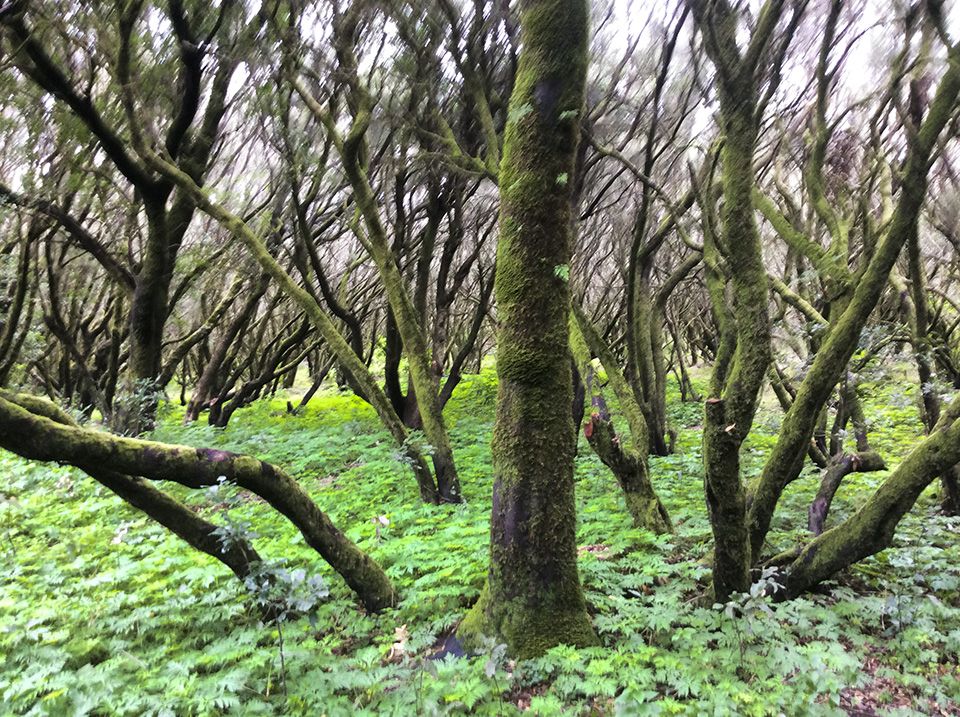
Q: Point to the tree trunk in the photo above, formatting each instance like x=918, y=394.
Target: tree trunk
x=532, y=599
x=840, y=467
x=630, y=470
x=207, y=383
x=628, y=464
x=39, y=438
x=744, y=352
x=786, y=459
x=239, y=556
x=872, y=527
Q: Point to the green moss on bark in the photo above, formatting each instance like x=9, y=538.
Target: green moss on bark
x=533, y=598
x=744, y=353
x=39, y=438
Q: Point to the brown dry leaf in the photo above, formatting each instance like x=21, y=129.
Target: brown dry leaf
x=398, y=650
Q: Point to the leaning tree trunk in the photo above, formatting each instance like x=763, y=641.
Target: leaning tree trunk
x=239, y=556
x=352, y=148
x=871, y=528
x=39, y=438
x=628, y=463
x=347, y=357
x=839, y=468
x=532, y=599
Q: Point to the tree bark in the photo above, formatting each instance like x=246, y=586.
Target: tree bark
x=744, y=353
x=532, y=599
x=838, y=469
x=629, y=465
x=872, y=527
x=39, y=438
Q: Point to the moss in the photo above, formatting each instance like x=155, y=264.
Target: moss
x=38, y=437
x=533, y=598
x=528, y=633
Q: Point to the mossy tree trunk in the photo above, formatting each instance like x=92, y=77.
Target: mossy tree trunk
x=918, y=321
x=239, y=556
x=650, y=362
x=353, y=151
x=786, y=460
x=629, y=463
x=645, y=367
x=532, y=599
x=744, y=353
x=872, y=527
x=38, y=437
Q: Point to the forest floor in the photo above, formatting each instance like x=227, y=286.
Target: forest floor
x=104, y=613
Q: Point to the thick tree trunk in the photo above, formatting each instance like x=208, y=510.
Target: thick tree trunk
x=532, y=599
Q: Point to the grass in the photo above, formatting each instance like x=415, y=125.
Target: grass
x=104, y=613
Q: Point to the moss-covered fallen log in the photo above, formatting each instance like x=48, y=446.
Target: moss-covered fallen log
x=38, y=437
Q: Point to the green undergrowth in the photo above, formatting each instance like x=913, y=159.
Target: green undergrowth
x=104, y=613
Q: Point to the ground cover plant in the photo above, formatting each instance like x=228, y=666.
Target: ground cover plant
x=104, y=612
x=479, y=356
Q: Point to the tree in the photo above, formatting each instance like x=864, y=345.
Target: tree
x=786, y=460
x=191, y=128
x=532, y=598
x=744, y=353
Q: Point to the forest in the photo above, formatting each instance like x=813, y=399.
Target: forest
x=455, y=357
